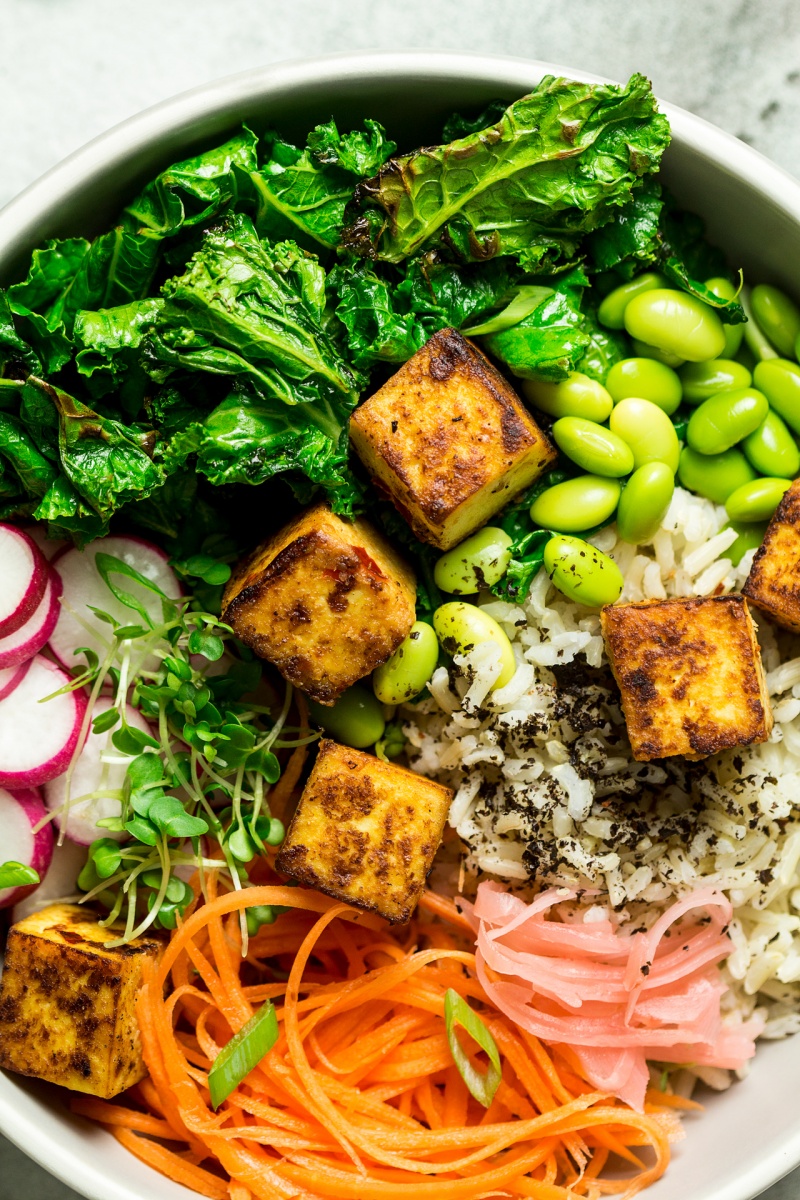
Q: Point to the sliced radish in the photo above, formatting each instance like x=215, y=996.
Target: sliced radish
x=23, y=643
x=19, y=813
x=23, y=578
x=10, y=677
x=77, y=626
x=92, y=774
x=60, y=882
x=37, y=740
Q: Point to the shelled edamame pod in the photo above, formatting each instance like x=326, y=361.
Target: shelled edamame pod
x=406, y=673
x=777, y=316
x=460, y=626
x=705, y=379
x=648, y=431
x=779, y=380
x=582, y=572
x=725, y=290
x=645, y=379
x=479, y=561
x=593, y=447
x=354, y=720
x=644, y=502
x=725, y=419
x=611, y=312
x=750, y=536
x=577, y=396
x=677, y=323
x=665, y=357
x=714, y=476
x=771, y=449
x=757, y=500
x=755, y=339
x=576, y=504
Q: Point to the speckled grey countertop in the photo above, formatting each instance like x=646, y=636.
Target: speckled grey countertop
x=72, y=68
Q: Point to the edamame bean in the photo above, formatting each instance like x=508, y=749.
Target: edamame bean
x=644, y=502
x=577, y=396
x=714, y=476
x=582, y=572
x=725, y=290
x=355, y=719
x=576, y=504
x=725, y=418
x=756, y=501
x=778, y=316
x=751, y=535
x=645, y=350
x=771, y=448
x=593, y=447
x=701, y=380
x=405, y=674
x=755, y=338
x=460, y=626
x=611, y=312
x=648, y=431
x=676, y=322
x=779, y=380
x=477, y=562
x=645, y=379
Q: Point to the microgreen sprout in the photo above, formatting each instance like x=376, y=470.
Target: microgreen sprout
x=200, y=779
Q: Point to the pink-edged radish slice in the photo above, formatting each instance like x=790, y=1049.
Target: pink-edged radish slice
x=60, y=882
x=91, y=774
x=21, y=645
x=22, y=580
x=10, y=677
x=77, y=626
x=37, y=740
x=19, y=812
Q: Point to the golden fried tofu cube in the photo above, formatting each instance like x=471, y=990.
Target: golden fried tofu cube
x=449, y=440
x=68, y=1001
x=774, y=580
x=690, y=675
x=365, y=831
x=325, y=600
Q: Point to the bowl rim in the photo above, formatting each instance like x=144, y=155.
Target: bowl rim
x=228, y=96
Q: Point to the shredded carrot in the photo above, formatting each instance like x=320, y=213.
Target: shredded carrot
x=360, y=1095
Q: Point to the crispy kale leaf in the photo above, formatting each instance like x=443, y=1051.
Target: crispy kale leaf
x=559, y=163
x=251, y=309
x=303, y=193
x=550, y=341
x=458, y=125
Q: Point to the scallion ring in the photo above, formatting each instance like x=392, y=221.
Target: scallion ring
x=243, y=1052
x=458, y=1012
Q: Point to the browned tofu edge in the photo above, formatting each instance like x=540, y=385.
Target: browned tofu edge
x=281, y=552
x=780, y=602
x=754, y=684
x=446, y=352
x=306, y=875
x=39, y=968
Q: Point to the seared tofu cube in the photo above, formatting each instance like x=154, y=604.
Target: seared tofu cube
x=325, y=600
x=449, y=440
x=365, y=831
x=68, y=1002
x=690, y=675
x=774, y=580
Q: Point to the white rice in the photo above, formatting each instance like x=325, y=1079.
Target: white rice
x=547, y=790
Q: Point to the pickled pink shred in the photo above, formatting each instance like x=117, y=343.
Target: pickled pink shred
x=617, y=999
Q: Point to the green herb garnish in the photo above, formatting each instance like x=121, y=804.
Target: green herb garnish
x=481, y=1085
x=243, y=1052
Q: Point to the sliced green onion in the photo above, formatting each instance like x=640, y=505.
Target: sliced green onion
x=15, y=874
x=458, y=1012
x=243, y=1052
x=528, y=298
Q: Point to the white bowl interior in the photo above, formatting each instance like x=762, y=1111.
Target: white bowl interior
x=749, y=1136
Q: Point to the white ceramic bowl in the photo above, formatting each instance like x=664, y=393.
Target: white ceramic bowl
x=748, y=1137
